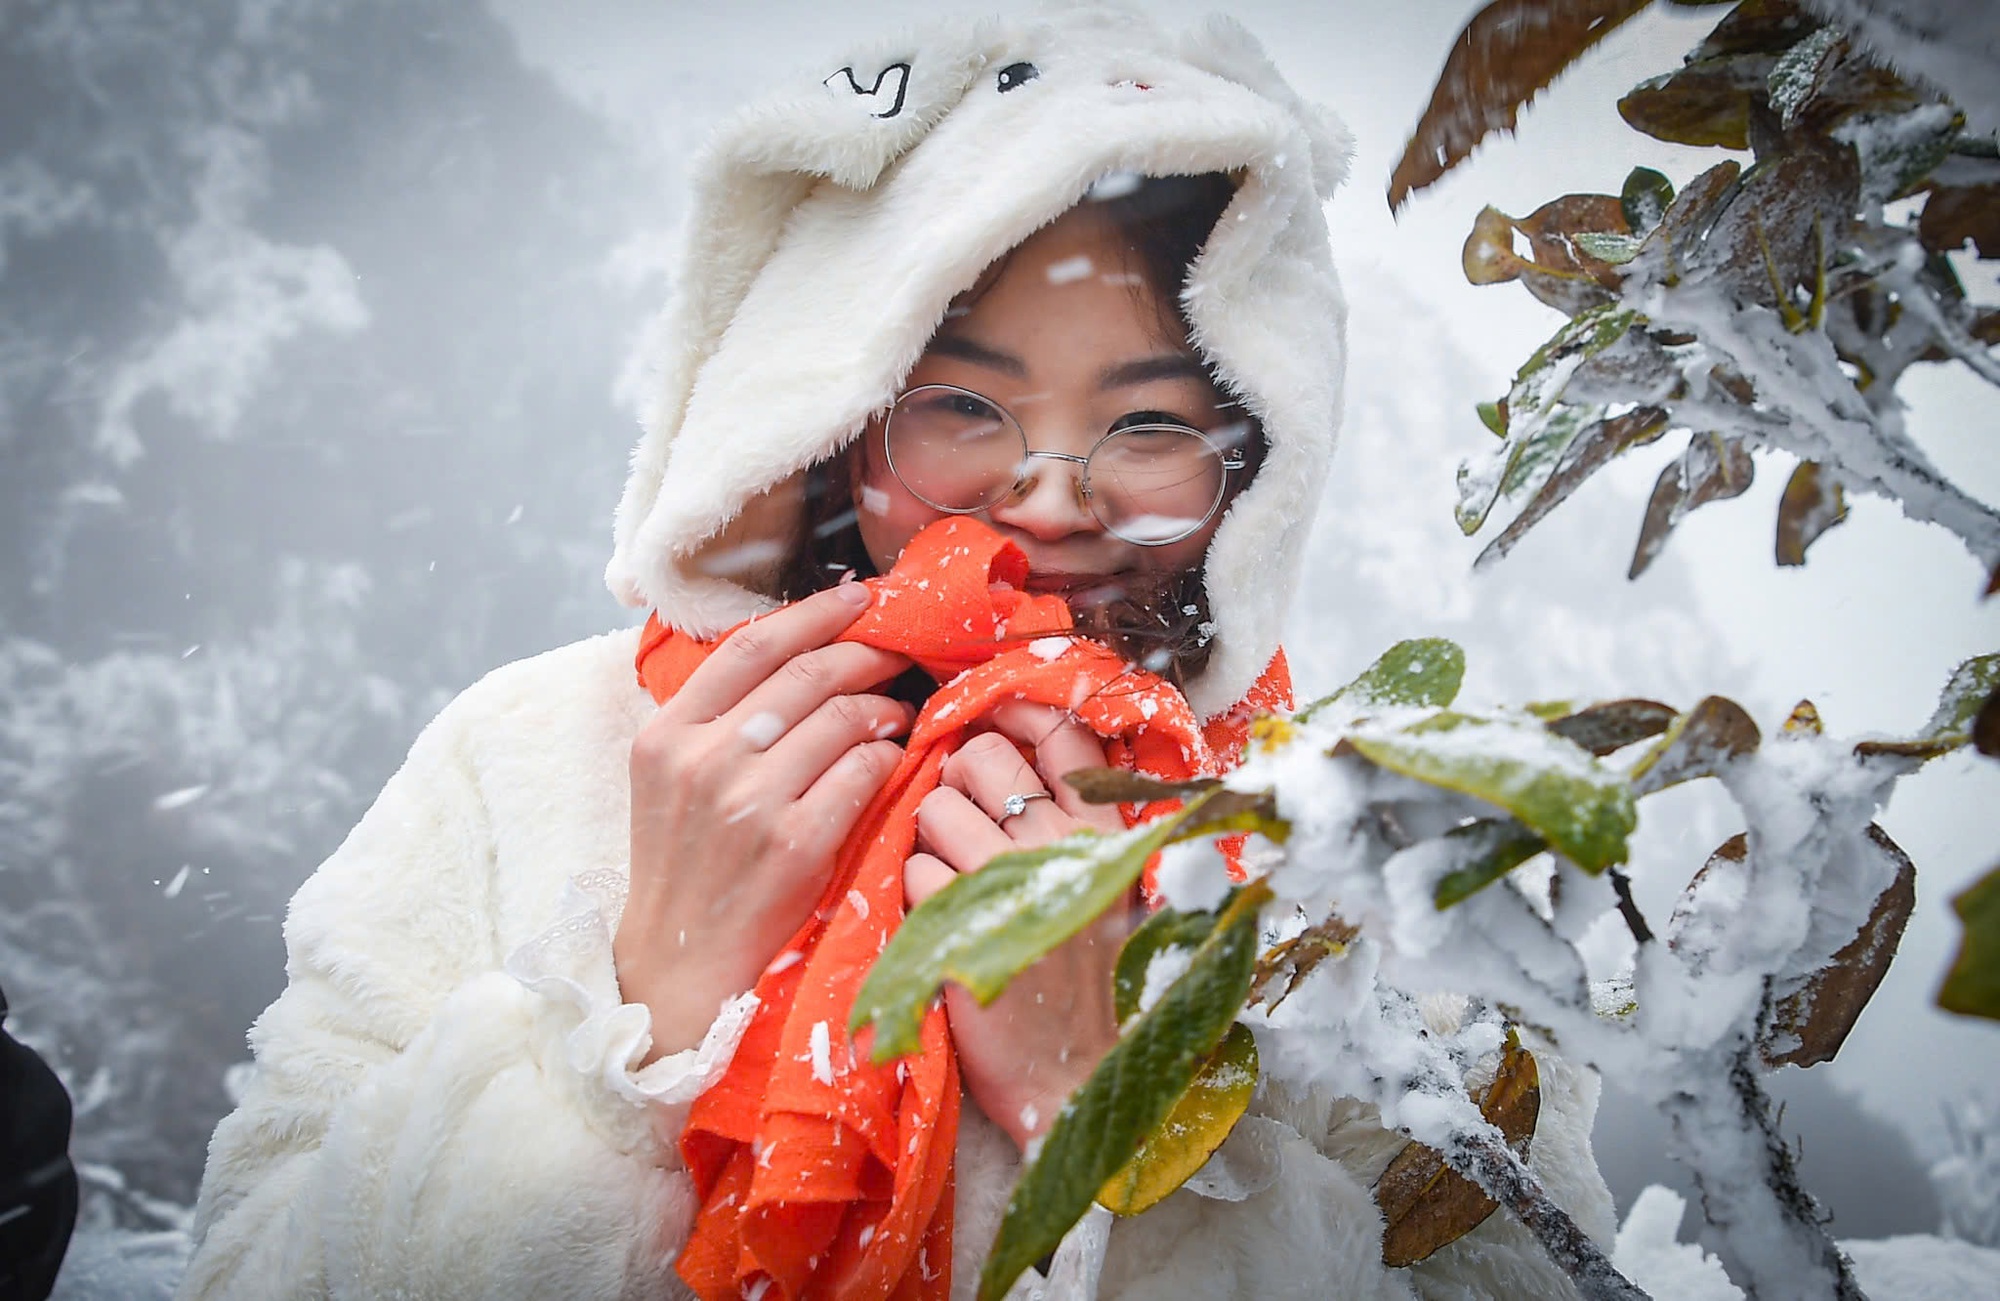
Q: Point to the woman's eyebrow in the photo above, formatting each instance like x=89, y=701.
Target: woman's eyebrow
x=956, y=345
x=1166, y=365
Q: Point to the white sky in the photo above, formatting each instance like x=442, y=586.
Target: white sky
x=1869, y=629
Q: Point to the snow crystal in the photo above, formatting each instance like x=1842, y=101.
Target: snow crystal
x=820, y=1044
x=1113, y=185
x=874, y=500
x=1048, y=649
x=762, y=728
x=785, y=960
x=1162, y=970
x=858, y=902
x=1029, y=1116
x=1069, y=270
x=180, y=879
x=181, y=798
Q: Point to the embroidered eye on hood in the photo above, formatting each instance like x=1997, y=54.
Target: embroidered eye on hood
x=830, y=226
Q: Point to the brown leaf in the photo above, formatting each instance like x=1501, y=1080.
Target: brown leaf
x=1117, y=786
x=1713, y=468
x=1757, y=27
x=1588, y=453
x=1425, y=1204
x=1293, y=960
x=1705, y=103
x=1808, y=1025
x=1557, y=270
x=1614, y=724
x=1954, y=215
x=1804, y=720
x=1667, y=246
x=1698, y=744
x=1812, y=504
x=1507, y=53
x=1774, y=235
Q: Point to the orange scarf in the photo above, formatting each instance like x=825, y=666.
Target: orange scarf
x=819, y=1172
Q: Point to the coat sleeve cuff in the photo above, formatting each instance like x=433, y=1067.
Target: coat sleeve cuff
x=569, y=964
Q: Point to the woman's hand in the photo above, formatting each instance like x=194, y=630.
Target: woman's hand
x=744, y=785
x=1023, y=1056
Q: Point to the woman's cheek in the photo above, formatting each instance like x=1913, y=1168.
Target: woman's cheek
x=888, y=517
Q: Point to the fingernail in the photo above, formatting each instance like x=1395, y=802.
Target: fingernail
x=855, y=594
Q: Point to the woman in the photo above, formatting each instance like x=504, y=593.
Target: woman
x=543, y=1030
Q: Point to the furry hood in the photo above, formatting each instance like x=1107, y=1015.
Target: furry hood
x=831, y=225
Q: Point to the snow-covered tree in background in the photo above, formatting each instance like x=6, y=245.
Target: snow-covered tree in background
x=251, y=254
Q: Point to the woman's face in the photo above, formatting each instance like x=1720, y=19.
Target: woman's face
x=1069, y=338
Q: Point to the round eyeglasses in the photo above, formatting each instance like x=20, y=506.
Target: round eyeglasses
x=1149, y=484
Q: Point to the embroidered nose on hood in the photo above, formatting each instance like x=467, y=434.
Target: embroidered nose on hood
x=830, y=226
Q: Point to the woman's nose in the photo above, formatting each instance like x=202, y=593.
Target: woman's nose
x=1047, y=503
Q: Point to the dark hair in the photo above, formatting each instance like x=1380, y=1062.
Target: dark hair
x=1166, y=626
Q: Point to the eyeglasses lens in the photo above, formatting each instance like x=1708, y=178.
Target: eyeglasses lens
x=955, y=450
x=1155, y=483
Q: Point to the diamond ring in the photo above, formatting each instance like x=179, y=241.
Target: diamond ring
x=1015, y=805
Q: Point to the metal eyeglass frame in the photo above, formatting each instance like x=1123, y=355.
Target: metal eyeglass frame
x=1230, y=459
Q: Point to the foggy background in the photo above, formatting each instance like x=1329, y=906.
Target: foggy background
x=318, y=350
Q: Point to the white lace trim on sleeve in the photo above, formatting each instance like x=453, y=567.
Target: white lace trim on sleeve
x=570, y=964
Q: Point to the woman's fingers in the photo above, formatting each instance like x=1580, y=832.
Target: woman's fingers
x=923, y=876
x=958, y=831
x=802, y=685
x=989, y=769
x=751, y=654
x=1061, y=745
x=828, y=810
x=802, y=755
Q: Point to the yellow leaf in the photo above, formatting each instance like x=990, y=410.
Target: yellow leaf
x=1199, y=1122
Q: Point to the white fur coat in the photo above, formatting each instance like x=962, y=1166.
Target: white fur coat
x=443, y=1103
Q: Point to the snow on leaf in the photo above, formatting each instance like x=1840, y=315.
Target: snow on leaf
x=1133, y=1091
x=1971, y=686
x=1486, y=851
x=1531, y=403
x=1972, y=986
x=1800, y=72
x=1645, y=197
x=1552, y=785
x=1425, y=1205
x=1697, y=744
x=1590, y=451
x=1294, y=959
x=1808, y=1025
x=986, y=927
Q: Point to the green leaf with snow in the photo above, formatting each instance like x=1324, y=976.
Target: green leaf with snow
x=1951, y=724
x=1645, y=197
x=1165, y=931
x=1130, y=1095
x=1609, y=246
x=1556, y=788
x=1487, y=850
x=988, y=926
x=1421, y=673
x=1972, y=986
x=1533, y=403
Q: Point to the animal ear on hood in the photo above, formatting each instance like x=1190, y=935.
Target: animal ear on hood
x=830, y=226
